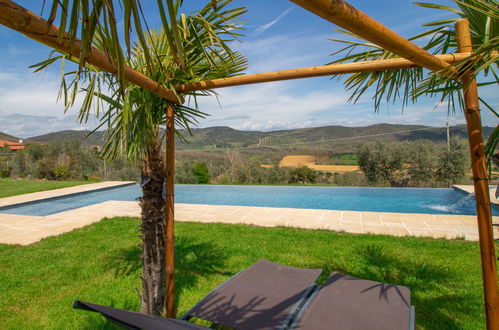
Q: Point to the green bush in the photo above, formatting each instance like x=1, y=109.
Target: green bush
x=303, y=174
x=45, y=169
x=200, y=171
x=61, y=172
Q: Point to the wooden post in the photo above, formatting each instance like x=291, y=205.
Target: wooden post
x=169, y=211
x=481, y=182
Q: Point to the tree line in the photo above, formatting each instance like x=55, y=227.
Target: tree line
x=413, y=164
x=63, y=160
x=400, y=164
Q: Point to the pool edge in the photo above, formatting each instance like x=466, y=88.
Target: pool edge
x=38, y=200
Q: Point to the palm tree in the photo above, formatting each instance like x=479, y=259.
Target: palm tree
x=410, y=84
x=134, y=116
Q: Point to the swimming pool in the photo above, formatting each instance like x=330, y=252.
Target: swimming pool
x=400, y=200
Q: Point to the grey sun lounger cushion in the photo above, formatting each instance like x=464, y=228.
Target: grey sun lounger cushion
x=348, y=303
x=134, y=320
x=264, y=296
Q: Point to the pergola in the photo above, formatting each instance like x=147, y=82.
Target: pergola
x=344, y=15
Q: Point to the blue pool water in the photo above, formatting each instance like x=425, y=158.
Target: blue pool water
x=402, y=200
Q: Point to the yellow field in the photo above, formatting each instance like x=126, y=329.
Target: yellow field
x=311, y=161
x=298, y=160
x=335, y=168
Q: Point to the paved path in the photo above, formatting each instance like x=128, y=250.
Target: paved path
x=25, y=230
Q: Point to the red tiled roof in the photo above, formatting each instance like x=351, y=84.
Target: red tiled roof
x=12, y=145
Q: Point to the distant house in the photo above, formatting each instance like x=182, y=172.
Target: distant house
x=12, y=145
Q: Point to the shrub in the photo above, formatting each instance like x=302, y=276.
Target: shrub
x=349, y=179
x=453, y=163
x=303, y=174
x=184, y=173
x=200, y=171
x=5, y=173
x=45, y=169
x=61, y=172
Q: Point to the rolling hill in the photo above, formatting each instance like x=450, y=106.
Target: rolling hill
x=8, y=137
x=225, y=137
x=95, y=139
x=213, y=138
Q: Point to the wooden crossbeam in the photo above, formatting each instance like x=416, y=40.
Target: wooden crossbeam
x=316, y=71
x=33, y=26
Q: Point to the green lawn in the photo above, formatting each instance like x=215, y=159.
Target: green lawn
x=100, y=263
x=12, y=187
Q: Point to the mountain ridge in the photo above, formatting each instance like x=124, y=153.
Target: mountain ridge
x=226, y=137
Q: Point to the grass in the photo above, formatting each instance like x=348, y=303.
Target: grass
x=12, y=187
x=100, y=263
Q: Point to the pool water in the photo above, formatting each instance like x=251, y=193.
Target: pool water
x=400, y=200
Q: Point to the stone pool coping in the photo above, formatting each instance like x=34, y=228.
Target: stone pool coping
x=54, y=193
x=470, y=189
x=25, y=230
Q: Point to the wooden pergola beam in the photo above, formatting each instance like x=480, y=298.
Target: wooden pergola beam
x=33, y=26
x=315, y=71
x=348, y=17
x=481, y=182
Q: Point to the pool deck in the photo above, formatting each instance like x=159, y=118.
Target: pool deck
x=25, y=230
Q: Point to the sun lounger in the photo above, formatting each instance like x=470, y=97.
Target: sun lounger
x=272, y=296
x=345, y=302
x=264, y=296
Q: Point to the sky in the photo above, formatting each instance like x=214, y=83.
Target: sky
x=278, y=35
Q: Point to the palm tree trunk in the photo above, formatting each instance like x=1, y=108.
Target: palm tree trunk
x=153, y=234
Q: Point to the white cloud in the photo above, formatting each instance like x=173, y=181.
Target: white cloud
x=291, y=51
x=265, y=27
x=6, y=77
x=29, y=107
x=285, y=105
x=271, y=125
x=25, y=126
x=31, y=94
x=270, y=102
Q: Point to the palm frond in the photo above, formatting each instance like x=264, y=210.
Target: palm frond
x=410, y=84
x=133, y=116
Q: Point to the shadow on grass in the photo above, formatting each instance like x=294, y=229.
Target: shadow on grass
x=429, y=283
x=192, y=262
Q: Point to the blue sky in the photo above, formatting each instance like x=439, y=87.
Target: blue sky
x=279, y=35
